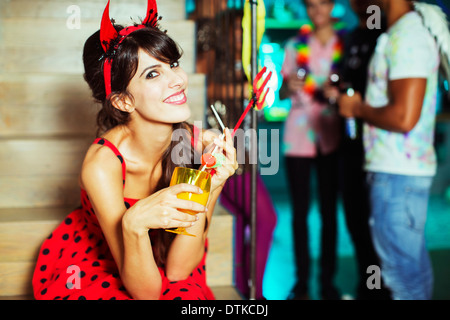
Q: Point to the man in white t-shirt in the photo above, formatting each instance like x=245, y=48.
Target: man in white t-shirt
x=399, y=112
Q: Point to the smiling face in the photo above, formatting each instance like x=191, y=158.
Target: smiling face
x=319, y=12
x=159, y=91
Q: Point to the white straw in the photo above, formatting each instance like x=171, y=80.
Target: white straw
x=222, y=136
x=217, y=117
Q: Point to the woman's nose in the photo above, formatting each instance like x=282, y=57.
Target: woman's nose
x=177, y=77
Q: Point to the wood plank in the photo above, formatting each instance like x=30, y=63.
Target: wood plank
x=61, y=119
x=38, y=59
x=41, y=172
x=120, y=10
x=17, y=298
x=58, y=34
x=33, y=104
x=12, y=235
x=34, y=214
x=219, y=261
x=59, y=49
x=30, y=33
x=15, y=278
x=43, y=157
x=43, y=89
x=39, y=191
x=220, y=293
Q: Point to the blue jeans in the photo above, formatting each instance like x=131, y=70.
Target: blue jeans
x=398, y=214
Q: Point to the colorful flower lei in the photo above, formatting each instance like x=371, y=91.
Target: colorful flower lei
x=303, y=56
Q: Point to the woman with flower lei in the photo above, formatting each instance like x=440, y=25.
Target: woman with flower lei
x=311, y=138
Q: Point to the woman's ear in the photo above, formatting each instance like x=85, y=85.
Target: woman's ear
x=122, y=102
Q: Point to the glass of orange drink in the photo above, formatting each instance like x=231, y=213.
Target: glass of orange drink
x=201, y=179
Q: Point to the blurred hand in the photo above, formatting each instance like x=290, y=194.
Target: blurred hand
x=348, y=105
x=330, y=91
x=295, y=84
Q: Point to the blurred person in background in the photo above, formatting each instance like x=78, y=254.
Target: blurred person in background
x=399, y=114
x=311, y=140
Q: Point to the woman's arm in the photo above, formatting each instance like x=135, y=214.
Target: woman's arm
x=126, y=231
x=400, y=115
x=101, y=175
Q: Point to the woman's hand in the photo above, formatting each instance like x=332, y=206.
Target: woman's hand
x=161, y=210
x=230, y=165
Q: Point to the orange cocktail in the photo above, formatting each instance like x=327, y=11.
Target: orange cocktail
x=195, y=177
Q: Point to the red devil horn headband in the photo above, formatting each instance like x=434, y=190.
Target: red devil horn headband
x=107, y=30
x=110, y=39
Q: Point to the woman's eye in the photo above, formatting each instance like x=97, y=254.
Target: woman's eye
x=175, y=64
x=152, y=74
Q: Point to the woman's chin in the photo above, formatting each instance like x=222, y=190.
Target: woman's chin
x=184, y=113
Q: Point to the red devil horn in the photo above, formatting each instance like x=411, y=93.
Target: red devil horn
x=107, y=30
x=152, y=13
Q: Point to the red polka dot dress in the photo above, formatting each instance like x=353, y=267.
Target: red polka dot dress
x=75, y=262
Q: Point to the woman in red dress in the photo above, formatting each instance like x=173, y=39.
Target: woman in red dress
x=114, y=246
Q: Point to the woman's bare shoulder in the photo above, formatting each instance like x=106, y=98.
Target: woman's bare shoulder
x=100, y=164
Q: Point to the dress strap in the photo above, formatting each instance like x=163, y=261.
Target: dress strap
x=106, y=143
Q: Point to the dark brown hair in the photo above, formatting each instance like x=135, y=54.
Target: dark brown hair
x=124, y=66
